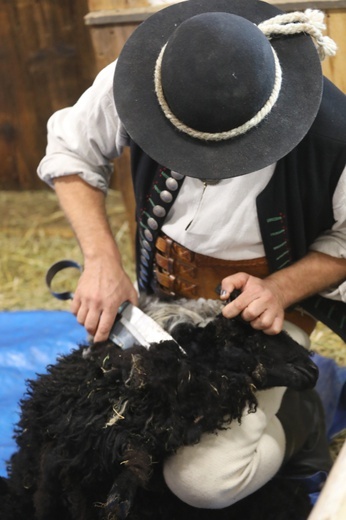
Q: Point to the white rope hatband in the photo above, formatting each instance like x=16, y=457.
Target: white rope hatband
x=309, y=22
x=219, y=136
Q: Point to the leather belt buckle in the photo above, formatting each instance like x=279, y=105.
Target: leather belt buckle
x=165, y=279
x=164, y=263
x=182, y=253
x=164, y=245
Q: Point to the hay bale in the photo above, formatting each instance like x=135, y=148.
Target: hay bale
x=34, y=234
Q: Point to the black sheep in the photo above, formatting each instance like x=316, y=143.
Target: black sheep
x=95, y=429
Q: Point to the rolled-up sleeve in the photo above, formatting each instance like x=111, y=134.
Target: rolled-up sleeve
x=333, y=241
x=83, y=139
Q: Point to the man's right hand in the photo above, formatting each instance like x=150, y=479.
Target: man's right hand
x=103, y=285
x=102, y=288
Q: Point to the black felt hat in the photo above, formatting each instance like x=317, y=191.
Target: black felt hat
x=208, y=89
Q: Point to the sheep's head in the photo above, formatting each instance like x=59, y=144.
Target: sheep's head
x=278, y=359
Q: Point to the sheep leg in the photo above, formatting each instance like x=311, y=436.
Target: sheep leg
x=120, y=498
x=13, y=506
x=136, y=472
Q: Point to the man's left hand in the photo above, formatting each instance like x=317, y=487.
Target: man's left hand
x=260, y=302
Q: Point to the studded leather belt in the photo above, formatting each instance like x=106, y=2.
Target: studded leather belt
x=179, y=272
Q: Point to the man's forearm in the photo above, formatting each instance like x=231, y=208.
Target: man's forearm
x=262, y=301
x=84, y=207
x=103, y=285
x=312, y=274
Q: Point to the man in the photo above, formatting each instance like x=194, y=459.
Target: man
x=238, y=158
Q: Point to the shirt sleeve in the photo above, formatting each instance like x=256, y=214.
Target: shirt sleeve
x=333, y=241
x=85, y=138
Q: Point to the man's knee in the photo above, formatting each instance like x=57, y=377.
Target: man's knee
x=219, y=471
x=193, y=485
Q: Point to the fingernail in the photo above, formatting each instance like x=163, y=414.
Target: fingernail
x=223, y=292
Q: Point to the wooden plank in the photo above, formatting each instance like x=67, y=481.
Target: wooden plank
x=118, y=16
x=293, y=5
x=46, y=63
x=139, y=13
x=108, y=42
x=334, y=68
x=95, y=5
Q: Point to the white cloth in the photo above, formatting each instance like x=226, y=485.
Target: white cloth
x=83, y=139
x=226, y=466
x=233, y=206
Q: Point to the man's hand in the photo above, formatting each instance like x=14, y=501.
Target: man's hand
x=102, y=288
x=104, y=285
x=260, y=302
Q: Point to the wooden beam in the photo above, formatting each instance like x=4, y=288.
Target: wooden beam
x=296, y=5
x=139, y=14
x=117, y=16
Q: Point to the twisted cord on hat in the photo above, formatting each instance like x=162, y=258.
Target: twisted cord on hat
x=217, y=136
x=309, y=22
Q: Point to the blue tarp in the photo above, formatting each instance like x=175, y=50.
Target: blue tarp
x=30, y=340
x=331, y=386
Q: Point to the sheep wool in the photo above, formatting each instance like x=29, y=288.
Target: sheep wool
x=94, y=431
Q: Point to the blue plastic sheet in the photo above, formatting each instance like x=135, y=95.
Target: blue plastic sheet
x=30, y=340
x=331, y=386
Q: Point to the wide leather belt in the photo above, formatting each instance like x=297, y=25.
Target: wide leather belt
x=180, y=272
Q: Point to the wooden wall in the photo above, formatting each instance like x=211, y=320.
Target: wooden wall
x=46, y=62
x=50, y=52
x=335, y=68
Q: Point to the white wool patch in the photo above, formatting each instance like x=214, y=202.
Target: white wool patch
x=172, y=313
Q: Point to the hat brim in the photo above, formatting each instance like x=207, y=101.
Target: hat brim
x=284, y=127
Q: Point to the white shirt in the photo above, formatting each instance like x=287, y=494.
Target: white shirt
x=218, y=220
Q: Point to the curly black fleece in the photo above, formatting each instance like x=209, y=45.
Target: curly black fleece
x=95, y=429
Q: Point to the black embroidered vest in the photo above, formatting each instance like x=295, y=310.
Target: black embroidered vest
x=293, y=210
